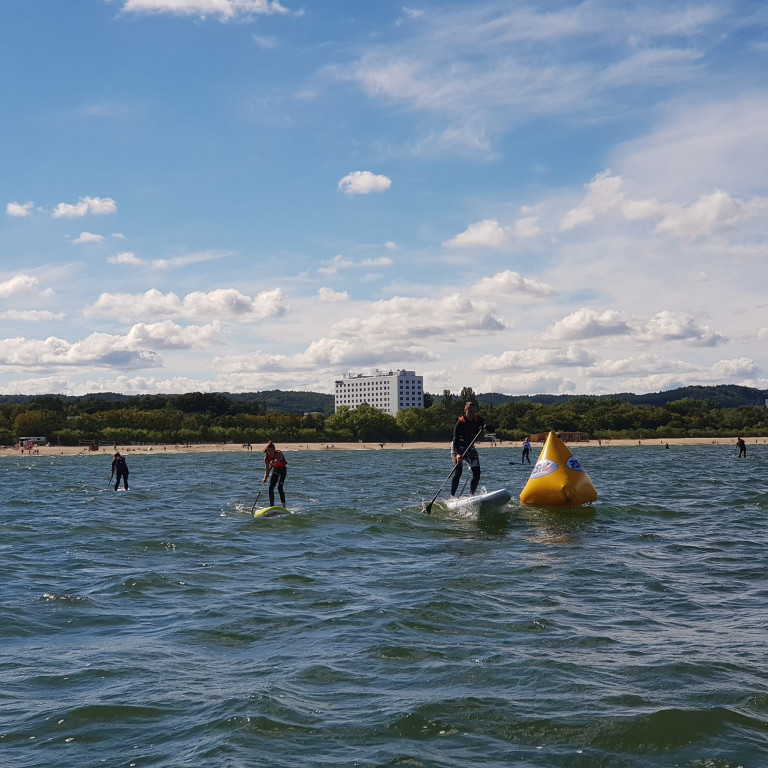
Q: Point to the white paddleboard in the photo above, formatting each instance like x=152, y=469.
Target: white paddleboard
x=480, y=501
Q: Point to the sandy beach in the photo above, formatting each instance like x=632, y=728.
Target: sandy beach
x=359, y=446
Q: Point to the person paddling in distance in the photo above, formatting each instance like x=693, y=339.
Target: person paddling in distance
x=275, y=462
x=463, y=449
x=119, y=465
x=526, y=451
x=742, y=446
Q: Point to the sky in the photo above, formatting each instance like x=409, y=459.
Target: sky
x=518, y=197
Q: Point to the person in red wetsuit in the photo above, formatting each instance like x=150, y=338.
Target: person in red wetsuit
x=275, y=462
x=466, y=430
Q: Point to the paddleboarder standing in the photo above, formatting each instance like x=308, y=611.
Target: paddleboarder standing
x=120, y=466
x=742, y=446
x=462, y=448
x=275, y=462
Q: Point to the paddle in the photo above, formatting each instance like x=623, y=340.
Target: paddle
x=428, y=507
x=260, y=490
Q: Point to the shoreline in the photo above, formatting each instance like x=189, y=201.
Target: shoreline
x=72, y=450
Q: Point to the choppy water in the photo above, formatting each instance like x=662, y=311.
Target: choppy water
x=165, y=627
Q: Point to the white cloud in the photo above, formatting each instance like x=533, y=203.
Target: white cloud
x=527, y=226
x=266, y=43
x=98, y=206
x=98, y=349
x=126, y=257
x=199, y=257
x=588, y=324
x=712, y=211
x=219, y=304
x=413, y=13
x=18, y=285
x=708, y=213
x=718, y=143
x=642, y=364
x=404, y=318
x=532, y=382
x=339, y=262
x=512, y=286
x=498, y=65
x=169, y=335
x=604, y=193
x=329, y=296
x=326, y=352
x=88, y=237
x=536, y=358
x=727, y=370
x=669, y=374
x=225, y=9
x=486, y=233
x=674, y=326
x=31, y=315
x=363, y=183
x=18, y=209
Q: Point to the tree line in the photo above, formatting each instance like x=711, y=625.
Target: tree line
x=216, y=418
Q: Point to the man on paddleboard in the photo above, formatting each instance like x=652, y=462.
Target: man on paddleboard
x=119, y=466
x=463, y=448
x=274, y=461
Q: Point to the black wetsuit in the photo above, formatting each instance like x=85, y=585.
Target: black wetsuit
x=121, y=468
x=463, y=434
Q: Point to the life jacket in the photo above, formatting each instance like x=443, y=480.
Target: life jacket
x=277, y=461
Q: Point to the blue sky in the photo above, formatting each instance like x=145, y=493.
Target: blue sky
x=240, y=195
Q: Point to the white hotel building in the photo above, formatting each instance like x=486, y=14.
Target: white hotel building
x=389, y=391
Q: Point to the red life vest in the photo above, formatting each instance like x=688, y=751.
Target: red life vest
x=277, y=461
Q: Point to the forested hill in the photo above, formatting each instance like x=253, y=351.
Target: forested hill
x=284, y=401
x=214, y=402
x=720, y=395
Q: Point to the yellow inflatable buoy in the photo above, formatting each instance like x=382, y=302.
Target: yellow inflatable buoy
x=557, y=479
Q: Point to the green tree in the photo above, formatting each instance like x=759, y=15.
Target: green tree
x=37, y=423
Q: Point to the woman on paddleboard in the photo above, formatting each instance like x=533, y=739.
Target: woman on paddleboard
x=275, y=462
x=463, y=449
x=119, y=466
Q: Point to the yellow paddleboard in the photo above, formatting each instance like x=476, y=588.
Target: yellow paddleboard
x=557, y=479
x=271, y=512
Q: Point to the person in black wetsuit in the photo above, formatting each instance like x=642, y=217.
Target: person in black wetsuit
x=119, y=466
x=742, y=446
x=466, y=429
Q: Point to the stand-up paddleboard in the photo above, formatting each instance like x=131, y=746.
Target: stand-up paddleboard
x=271, y=512
x=480, y=501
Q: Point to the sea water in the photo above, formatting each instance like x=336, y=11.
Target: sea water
x=166, y=627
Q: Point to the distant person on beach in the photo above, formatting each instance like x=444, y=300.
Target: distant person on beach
x=120, y=467
x=526, y=451
x=742, y=446
x=275, y=462
x=463, y=449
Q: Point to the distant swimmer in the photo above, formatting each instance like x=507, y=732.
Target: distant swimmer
x=119, y=466
x=742, y=446
x=275, y=462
